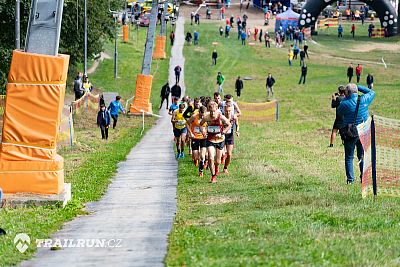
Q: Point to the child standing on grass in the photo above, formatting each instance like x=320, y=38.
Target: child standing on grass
x=103, y=121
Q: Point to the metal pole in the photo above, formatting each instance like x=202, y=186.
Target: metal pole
x=17, y=25
x=116, y=50
x=85, y=18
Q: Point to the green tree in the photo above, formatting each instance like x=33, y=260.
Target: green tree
x=100, y=29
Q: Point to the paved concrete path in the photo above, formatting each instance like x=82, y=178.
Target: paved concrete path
x=138, y=208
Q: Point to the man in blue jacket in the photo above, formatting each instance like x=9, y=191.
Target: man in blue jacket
x=114, y=108
x=347, y=110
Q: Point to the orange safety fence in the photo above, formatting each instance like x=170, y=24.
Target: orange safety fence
x=87, y=102
x=125, y=33
x=35, y=98
x=267, y=111
x=378, y=33
x=328, y=23
x=66, y=135
x=142, y=95
x=159, y=50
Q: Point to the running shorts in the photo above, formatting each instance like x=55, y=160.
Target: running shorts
x=198, y=143
x=229, y=139
x=219, y=145
x=179, y=132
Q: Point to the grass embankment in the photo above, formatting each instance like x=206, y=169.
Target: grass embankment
x=285, y=201
x=91, y=162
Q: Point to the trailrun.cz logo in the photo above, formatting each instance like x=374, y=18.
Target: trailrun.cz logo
x=22, y=242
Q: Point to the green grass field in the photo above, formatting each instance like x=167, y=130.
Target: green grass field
x=285, y=200
x=91, y=162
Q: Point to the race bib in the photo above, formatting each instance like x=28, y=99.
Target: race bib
x=181, y=122
x=196, y=129
x=214, y=129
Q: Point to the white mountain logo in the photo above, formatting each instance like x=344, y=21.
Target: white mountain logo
x=22, y=242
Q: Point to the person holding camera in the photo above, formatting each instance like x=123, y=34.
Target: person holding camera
x=336, y=99
x=354, y=110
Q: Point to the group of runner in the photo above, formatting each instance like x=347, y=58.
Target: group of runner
x=208, y=127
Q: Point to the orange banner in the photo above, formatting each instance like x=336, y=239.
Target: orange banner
x=142, y=95
x=125, y=33
x=159, y=50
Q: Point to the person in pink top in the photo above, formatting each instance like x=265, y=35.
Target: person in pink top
x=358, y=72
x=255, y=34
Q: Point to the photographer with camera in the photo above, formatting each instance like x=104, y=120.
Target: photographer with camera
x=354, y=110
x=336, y=99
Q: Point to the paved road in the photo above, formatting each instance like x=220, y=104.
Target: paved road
x=138, y=208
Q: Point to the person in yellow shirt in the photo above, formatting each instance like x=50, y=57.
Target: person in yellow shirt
x=180, y=130
x=290, y=56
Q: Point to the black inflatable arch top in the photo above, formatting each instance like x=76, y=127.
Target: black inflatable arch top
x=385, y=11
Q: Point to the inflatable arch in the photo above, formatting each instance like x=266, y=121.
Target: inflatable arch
x=383, y=8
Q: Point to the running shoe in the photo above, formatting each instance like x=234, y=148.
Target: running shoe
x=213, y=179
x=226, y=170
x=182, y=155
x=178, y=155
x=223, y=159
x=200, y=174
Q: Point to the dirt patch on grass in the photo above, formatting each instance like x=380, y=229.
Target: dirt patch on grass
x=375, y=46
x=215, y=200
x=200, y=49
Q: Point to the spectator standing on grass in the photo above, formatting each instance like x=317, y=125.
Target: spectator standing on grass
x=177, y=71
x=370, y=81
x=290, y=56
x=176, y=91
x=353, y=29
x=370, y=29
x=188, y=38
x=238, y=86
x=103, y=121
x=221, y=31
x=270, y=85
x=227, y=30
x=78, y=86
x=243, y=37
x=336, y=99
x=208, y=13
x=303, y=76
x=350, y=72
x=165, y=91
x=302, y=57
x=191, y=18
x=195, y=38
x=358, y=72
x=267, y=40
x=232, y=20
x=197, y=19
x=296, y=51
x=214, y=57
x=255, y=33
x=305, y=48
x=172, y=37
x=220, y=82
x=260, y=36
x=347, y=110
x=115, y=107
x=340, y=31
